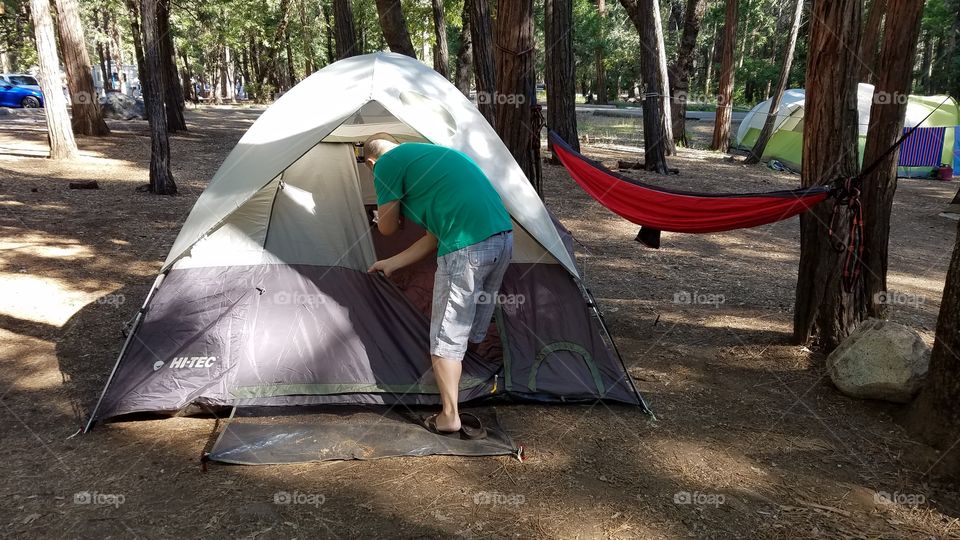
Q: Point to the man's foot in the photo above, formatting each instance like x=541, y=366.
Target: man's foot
x=447, y=424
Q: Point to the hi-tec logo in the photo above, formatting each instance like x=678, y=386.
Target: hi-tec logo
x=188, y=362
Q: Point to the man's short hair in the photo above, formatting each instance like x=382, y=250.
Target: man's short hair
x=378, y=144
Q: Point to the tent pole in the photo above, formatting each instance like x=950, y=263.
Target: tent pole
x=123, y=350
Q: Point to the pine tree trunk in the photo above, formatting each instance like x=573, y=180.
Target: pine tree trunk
x=559, y=73
x=666, y=130
x=59, y=132
x=346, y=32
x=516, y=85
x=161, y=177
x=441, y=54
x=680, y=88
x=394, y=27
x=329, y=31
x=756, y=154
x=869, y=45
x=601, y=69
x=465, y=53
x=935, y=415
x=641, y=14
x=721, y=128
x=307, y=39
x=172, y=93
x=708, y=76
x=481, y=33
x=133, y=11
x=87, y=118
x=894, y=78
x=830, y=138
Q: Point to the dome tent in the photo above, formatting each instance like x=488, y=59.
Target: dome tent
x=264, y=299
x=786, y=143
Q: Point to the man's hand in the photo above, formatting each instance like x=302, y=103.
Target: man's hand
x=387, y=266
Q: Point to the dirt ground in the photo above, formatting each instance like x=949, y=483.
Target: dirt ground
x=750, y=439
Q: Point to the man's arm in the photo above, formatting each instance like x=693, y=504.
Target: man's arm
x=416, y=252
x=388, y=217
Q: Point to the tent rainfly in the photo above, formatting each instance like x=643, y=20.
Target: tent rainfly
x=264, y=299
x=786, y=143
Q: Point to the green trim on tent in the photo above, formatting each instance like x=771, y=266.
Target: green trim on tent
x=271, y=390
x=570, y=347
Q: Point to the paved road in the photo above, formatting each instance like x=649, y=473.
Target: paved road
x=637, y=112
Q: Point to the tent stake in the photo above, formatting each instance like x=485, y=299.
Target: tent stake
x=123, y=350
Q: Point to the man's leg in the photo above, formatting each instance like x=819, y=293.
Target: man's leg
x=447, y=374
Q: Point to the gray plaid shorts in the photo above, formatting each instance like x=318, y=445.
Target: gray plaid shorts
x=465, y=291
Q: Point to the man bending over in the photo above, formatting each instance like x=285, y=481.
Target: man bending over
x=447, y=194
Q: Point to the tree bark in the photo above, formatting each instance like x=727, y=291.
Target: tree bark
x=869, y=45
x=680, y=78
x=441, y=54
x=307, y=39
x=935, y=415
x=328, y=32
x=756, y=154
x=516, y=85
x=721, y=128
x=133, y=10
x=394, y=27
x=465, y=53
x=664, y=90
x=161, y=177
x=173, y=93
x=894, y=78
x=87, y=118
x=346, y=32
x=641, y=14
x=830, y=139
x=59, y=132
x=559, y=70
x=481, y=33
x=601, y=69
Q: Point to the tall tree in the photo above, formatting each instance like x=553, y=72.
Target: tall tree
x=328, y=31
x=663, y=91
x=721, y=128
x=481, y=33
x=756, y=154
x=306, y=39
x=641, y=14
x=161, y=177
x=830, y=137
x=559, y=74
x=133, y=12
x=394, y=27
x=894, y=77
x=598, y=57
x=465, y=53
x=869, y=45
x=87, y=118
x=345, y=29
x=172, y=92
x=441, y=54
x=680, y=74
x=516, y=84
x=935, y=414
x=59, y=132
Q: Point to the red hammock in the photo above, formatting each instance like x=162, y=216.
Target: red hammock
x=660, y=209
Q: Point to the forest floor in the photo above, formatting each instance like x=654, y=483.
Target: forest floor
x=750, y=439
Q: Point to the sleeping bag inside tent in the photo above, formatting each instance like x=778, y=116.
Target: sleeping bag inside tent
x=264, y=299
x=786, y=143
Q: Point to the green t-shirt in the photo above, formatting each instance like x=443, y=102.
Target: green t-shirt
x=443, y=191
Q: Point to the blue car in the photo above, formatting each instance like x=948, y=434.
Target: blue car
x=18, y=90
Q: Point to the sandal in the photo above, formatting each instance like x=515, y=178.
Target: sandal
x=471, y=427
x=430, y=423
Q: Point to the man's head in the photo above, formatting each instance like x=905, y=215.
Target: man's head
x=377, y=145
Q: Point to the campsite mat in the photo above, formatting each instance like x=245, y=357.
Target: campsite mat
x=252, y=438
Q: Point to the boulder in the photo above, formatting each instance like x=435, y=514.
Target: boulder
x=880, y=360
x=122, y=107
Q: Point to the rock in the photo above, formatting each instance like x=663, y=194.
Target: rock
x=880, y=360
x=122, y=107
